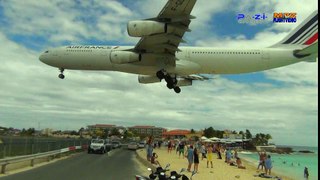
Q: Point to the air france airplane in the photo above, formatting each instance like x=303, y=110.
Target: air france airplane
x=158, y=56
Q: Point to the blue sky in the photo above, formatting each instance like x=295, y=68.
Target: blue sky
x=281, y=101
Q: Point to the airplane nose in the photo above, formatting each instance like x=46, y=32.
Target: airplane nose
x=41, y=58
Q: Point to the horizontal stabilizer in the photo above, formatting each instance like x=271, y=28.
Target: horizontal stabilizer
x=308, y=50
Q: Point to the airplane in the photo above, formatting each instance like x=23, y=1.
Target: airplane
x=158, y=56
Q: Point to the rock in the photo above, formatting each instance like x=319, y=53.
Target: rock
x=305, y=151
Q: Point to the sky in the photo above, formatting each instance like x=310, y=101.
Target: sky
x=281, y=102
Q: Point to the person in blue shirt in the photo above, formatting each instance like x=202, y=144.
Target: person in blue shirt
x=268, y=165
x=189, y=156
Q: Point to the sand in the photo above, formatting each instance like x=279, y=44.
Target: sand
x=220, y=170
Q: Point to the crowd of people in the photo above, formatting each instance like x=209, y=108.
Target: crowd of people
x=193, y=151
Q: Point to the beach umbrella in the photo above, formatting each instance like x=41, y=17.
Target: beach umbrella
x=203, y=138
x=214, y=139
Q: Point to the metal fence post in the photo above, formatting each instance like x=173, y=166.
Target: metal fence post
x=10, y=143
x=32, y=148
x=4, y=150
x=25, y=146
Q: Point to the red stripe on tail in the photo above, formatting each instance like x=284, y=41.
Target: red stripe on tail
x=312, y=39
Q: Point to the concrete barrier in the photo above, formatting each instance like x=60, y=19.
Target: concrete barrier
x=31, y=160
x=143, y=159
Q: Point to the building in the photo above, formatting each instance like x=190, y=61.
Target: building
x=156, y=132
x=46, y=132
x=105, y=127
x=176, y=134
x=230, y=135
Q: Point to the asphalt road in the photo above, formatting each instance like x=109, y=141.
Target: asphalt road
x=119, y=164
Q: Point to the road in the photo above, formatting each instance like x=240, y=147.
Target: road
x=119, y=164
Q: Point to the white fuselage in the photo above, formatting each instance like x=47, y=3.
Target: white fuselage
x=190, y=60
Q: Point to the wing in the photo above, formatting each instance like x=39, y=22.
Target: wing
x=176, y=16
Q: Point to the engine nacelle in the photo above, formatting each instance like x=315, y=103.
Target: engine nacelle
x=184, y=82
x=146, y=79
x=144, y=28
x=122, y=57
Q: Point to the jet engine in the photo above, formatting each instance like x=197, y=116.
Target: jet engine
x=144, y=28
x=122, y=57
x=146, y=79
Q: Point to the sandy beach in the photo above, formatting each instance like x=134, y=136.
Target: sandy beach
x=220, y=169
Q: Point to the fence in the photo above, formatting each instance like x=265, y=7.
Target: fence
x=17, y=146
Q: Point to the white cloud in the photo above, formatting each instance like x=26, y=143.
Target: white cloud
x=31, y=92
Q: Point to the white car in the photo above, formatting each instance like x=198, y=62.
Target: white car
x=97, y=145
x=141, y=144
x=133, y=146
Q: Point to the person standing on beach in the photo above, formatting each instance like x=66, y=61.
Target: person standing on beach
x=169, y=147
x=181, y=149
x=228, y=156
x=189, y=156
x=209, y=155
x=218, y=150
x=195, y=159
x=149, y=151
x=268, y=165
x=203, y=151
x=262, y=158
x=306, y=173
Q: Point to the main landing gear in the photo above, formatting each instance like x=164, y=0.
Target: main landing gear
x=171, y=81
x=61, y=76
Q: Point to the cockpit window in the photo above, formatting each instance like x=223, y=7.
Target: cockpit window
x=46, y=52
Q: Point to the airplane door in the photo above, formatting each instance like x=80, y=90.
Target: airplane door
x=187, y=54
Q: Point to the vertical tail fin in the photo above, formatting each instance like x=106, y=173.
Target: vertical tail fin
x=305, y=34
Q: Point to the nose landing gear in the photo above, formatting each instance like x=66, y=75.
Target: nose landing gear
x=61, y=76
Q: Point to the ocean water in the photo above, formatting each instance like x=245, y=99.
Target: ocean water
x=291, y=165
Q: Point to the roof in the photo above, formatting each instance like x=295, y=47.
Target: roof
x=103, y=125
x=176, y=132
x=142, y=127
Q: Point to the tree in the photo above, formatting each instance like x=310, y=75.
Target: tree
x=192, y=131
x=105, y=133
x=115, y=132
x=248, y=134
x=81, y=131
x=261, y=139
x=209, y=132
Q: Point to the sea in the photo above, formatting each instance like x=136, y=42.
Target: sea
x=290, y=165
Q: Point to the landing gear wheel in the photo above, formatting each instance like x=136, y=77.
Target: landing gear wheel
x=177, y=89
x=61, y=76
x=169, y=85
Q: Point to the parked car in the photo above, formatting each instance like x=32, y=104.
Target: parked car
x=116, y=144
x=97, y=145
x=141, y=144
x=109, y=145
x=133, y=146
